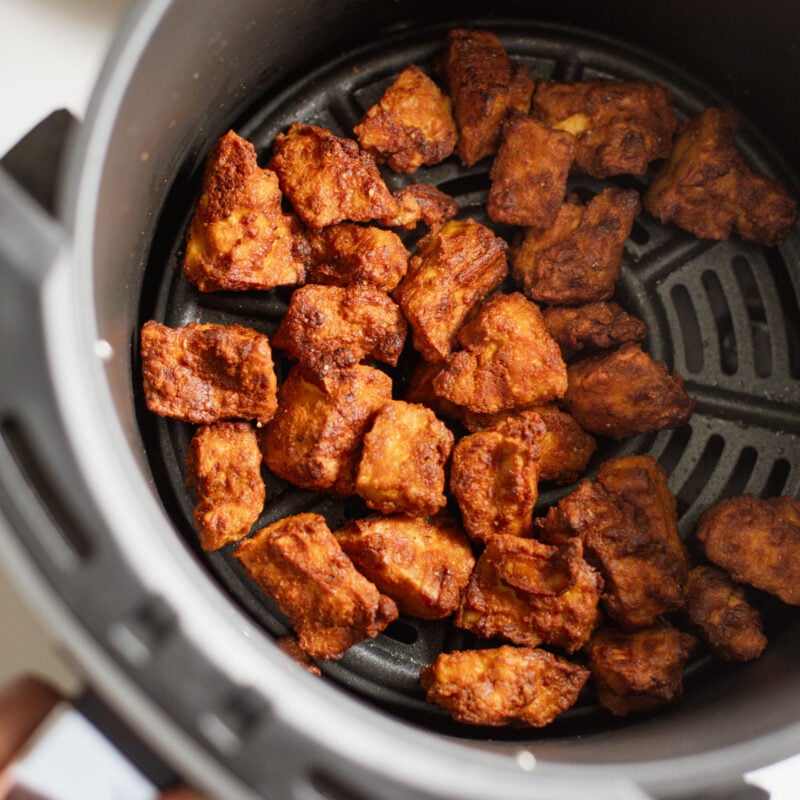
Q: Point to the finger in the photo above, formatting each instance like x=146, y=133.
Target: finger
x=24, y=703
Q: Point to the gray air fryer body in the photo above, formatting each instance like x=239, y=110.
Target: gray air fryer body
x=90, y=484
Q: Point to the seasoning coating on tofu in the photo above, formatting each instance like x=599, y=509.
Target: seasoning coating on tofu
x=484, y=85
x=420, y=202
x=328, y=179
x=204, y=372
x=529, y=172
x=578, y=259
x=706, y=188
x=494, y=476
x=624, y=392
x=595, y=326
x=509, y=359
x=331, y=606
x=627, y=520
x=411, y=125
x=638, y=671
x=348, y=254
x=402, y=464
x=532, y=593
x=314, y=441
x=454, y=267
x=727, y=622
x=757, y=541
x=330, y=327
x=503, y=685
x=620, y=127
x=223, y=466
x=422, y=564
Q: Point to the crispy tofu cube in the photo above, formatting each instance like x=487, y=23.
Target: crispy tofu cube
x=578, y=259
x=420, y=202
x=223, y=466
x=411, y=125
x=204, y=372
x=454, y=267
x=503, y=685
x=239, y=237
x=484, y=84
x=328, y=179
x=420, y=390
x=620, y=127
x=314, y=441
x=422, y=564
x=331, y=606
x=509, y=360
x=529, y=172
x=402, y=464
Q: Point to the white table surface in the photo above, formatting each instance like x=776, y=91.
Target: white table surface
x=50, y=56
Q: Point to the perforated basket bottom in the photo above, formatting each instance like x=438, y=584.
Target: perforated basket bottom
x=725, y=315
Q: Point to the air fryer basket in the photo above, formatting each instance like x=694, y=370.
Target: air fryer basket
x=726, y=315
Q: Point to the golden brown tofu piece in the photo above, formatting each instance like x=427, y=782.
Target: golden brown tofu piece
x=204, y=372
x=420, y=390
x=411, y=125
x=331, y=606
x=484, y=85
x=420, y=202
x=620, y=127
x=455, y=266
x=624, y=392
x=757, y=541
x=348, y=254
x=495, y=479
x=726, y=621
x=640, y=670
x=529, y=172
x=328, y=179
x=592, y=327
x=314, y=441
x=239, y=237
x=402, y=464
x=509, y=359
x=578, y=259
x=706, y=188
x=503, y=685
x=531, y=593
x=330, y=327
x=627, y=520
x=223, y=466
x=422, y=564
x=291, y=647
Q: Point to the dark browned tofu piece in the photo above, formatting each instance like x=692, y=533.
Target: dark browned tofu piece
x=620, y=127
x=484, y=85
x=223, y=466
x=638, y=671
x=726, y=621
x=204, y=372
x=494, y=477
x=330, y=327
x=624, y=392
x=592, y=327
x=706, y=188
x=578, y=259
x=508, y=361
x=239, y=237
x=757, y=541
x=402, y=464
x=531, y=593
x=454, y=267
x=291, y=647
x=328, y=179
x=331, y=606
x=420, y=202
x=411, y=125
x=504, y=685
x=627, y=521
x=529, y=172
x=422, y=564
x=314, y=441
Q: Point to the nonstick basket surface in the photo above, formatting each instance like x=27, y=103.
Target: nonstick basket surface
x=726, y=315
